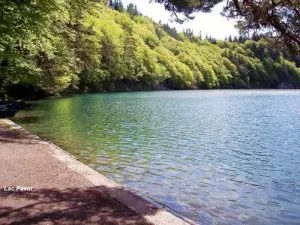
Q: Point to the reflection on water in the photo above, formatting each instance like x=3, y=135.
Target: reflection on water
x=218, y=157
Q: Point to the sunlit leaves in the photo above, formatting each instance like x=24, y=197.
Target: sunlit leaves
x=76, y=44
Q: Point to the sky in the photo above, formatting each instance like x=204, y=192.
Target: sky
x=208, y=23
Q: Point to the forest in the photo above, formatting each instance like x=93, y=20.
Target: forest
x=59, y=47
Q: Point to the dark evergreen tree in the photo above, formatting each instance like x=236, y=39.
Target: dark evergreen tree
x=136, y=12
x=130, y=9
x=171, y=31
x=241, y=39
x=235, y=39
x=200, y=36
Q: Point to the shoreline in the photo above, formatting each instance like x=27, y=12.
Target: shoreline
x=71, y=93
x=169, y=90
x=148, y=208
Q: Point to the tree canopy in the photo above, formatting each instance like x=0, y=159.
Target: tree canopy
x=279, y=17
x=57, y=46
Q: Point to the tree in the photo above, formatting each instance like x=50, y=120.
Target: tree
x=171, y=31
x=241, y=39
x=279, y=16
x=200, y=36
x=235, y=39
x=187, y=7
x=116, y=5
x=33, y=48
x=131, y=9
x=136, y=12
x=121, y=7
x=58, y=45
x=188, y=32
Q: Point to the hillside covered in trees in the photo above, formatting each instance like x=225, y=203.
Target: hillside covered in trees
x=50, y=48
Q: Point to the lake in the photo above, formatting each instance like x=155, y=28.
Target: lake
x=217, y=157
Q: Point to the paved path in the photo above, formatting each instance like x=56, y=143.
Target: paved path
x=64, y=191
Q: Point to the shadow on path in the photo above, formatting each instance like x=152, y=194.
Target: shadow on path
x=8, y=135
x=91, y=205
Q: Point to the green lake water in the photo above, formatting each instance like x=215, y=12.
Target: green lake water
x=217, y=157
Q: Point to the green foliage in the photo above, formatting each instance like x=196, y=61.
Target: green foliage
x=36, y=38
x=77, y=44
x=279, y=17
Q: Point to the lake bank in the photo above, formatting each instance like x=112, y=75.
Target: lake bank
x=61, y=189
x=30, y=92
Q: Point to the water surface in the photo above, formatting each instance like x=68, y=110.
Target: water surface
x=217, y=157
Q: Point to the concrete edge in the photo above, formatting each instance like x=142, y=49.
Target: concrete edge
x=141, y=205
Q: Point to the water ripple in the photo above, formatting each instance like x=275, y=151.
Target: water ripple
x=218, y=157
